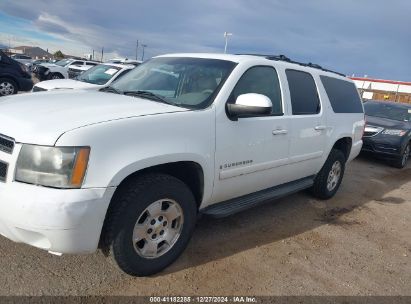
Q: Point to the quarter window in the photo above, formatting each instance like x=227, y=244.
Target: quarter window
x=261, y=80
x=342, y=94
x=304, y=96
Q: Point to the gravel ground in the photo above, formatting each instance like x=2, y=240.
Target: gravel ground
x=358, y=243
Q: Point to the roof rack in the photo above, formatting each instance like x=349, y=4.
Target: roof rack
x=286, y=59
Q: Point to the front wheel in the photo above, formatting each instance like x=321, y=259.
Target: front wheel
x=402, y=161
x=329, y=179
x=56, y=76
x=149, y=223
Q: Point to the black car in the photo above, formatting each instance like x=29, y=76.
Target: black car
x=14, y=76
x=388, y=131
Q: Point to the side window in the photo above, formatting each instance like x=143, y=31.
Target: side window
x=343, y=95
x=77, y=63
x=261, y=80
x=91, y=63
x=303, y=91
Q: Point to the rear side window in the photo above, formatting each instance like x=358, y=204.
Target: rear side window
x=342, y=94
x=304, y=96
x=261, y=80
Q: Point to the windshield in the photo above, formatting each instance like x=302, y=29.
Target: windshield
x=63, y=62
x=389, y=111
x=186, y=82
x=99, y=74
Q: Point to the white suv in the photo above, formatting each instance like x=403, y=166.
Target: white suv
x=129, y=168
x=60, y=69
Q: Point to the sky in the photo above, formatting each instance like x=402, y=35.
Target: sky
x=360, y=37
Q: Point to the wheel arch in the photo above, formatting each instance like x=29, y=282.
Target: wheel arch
x=11, y=77
x=343, y=144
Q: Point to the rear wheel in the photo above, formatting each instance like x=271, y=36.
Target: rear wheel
x=150, y=223
x=403, y=160
x=7, y=87
x=329, y=179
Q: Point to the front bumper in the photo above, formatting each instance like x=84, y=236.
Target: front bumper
x=25, y=84
x=63, y=221
x=383, y=147
x=58, y=220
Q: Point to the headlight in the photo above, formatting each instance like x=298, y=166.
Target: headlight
x=394, y=132
x=52, y=166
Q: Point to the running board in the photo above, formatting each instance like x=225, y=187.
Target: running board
x=245, y=202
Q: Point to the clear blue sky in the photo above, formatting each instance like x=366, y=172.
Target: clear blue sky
x=369, y=37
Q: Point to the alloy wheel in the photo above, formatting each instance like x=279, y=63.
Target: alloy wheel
x=334, y=176
x=158, y=228
x=6, y=88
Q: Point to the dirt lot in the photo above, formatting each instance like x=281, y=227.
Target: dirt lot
x=357, y=243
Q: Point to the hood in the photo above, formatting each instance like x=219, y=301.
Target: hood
x=387, y=123
x=65, y=84
x=40, y=118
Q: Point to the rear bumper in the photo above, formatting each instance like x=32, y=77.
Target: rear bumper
x=63, y=221
x=355, y=150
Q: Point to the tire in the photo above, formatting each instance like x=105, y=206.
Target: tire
x=56, y=76
x=8, y=87
x=403, y=160
x=326, y=182
x=130, y=207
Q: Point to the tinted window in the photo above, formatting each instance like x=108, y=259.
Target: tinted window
x=261, y=80
x=342, y=94
x=304, y=97
x=77, y=62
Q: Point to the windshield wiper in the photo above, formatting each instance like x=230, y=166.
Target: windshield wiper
x=148, y=95
x=110, y=89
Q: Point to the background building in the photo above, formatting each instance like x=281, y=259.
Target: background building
x=380, y=89
x=34, y=52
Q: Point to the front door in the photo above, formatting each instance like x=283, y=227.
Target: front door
x=252, y=153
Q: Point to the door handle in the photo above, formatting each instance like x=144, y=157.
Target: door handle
x=280, y=132
x=320, y=128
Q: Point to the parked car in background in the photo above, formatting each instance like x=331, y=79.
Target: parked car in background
x=38, y=62
x=94, y=78
x=129, y=167
x=14, y=76
x=59, y=70
x=125, y=61
x=388, y=131
x=27, y=60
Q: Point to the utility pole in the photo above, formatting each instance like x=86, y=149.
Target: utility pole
x=137, y=50
x=102, y=53
x=226, y=35
x=93, y=54
x=143, y=46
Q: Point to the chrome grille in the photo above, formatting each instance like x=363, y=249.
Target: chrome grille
x=3, y=171
x=6, y=144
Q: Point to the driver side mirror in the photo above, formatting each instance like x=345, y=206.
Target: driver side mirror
x=250, y=104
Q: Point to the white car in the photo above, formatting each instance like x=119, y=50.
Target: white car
x=59, y=69
x=95, y=78
x=129, y=168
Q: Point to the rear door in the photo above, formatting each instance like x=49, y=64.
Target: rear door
x=308, y=124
